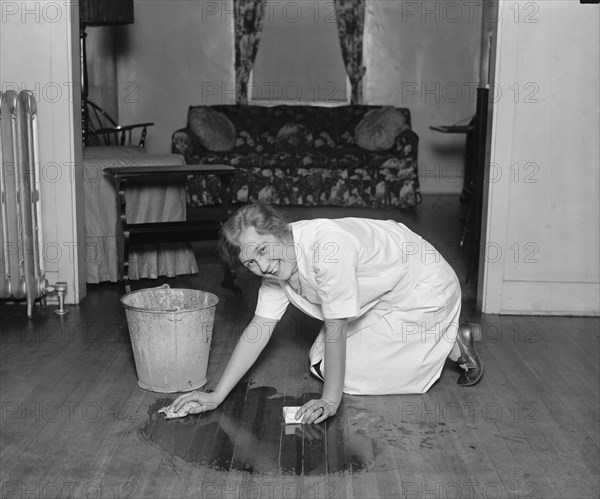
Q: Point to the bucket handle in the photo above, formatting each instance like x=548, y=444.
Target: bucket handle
x=174, y=317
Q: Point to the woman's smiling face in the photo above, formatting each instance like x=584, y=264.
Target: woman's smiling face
x=267, y=256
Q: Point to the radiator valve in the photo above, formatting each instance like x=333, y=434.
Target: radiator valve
x=61, y=290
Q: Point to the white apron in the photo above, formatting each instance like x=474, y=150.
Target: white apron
x=401, y=298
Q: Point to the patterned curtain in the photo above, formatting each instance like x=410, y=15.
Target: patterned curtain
x=350, y=16
x=248, y=27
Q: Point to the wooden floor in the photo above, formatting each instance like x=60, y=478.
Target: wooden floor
x=74, y=422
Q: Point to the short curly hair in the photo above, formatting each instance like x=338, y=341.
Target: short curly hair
x=265, y=218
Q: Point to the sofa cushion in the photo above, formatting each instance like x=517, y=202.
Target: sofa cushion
x=379, y=128
x=297, y=127
x=288, y=159
x=341, y=186
x=232, y=158
x=214, y=130
x=292, y=136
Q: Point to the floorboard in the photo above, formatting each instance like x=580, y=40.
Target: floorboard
x=75, y=423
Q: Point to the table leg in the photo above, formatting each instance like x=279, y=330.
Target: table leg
x=121, y=185
x=230, y=278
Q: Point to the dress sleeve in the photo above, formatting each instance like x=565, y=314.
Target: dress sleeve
x=272, y=300
x=336, y=270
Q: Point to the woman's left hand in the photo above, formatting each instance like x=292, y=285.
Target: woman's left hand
x=316, y=411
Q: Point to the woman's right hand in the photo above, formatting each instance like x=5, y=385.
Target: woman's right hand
x=207, y=401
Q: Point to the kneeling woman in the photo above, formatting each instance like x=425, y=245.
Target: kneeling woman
x=389, y=301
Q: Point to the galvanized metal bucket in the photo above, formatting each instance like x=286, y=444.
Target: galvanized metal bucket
x=171, y=331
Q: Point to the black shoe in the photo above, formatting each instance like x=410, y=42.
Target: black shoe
x=469, y=359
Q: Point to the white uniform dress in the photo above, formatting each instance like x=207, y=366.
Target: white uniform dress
x=401, y=298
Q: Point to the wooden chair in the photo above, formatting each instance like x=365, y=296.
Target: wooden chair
x=103, y=130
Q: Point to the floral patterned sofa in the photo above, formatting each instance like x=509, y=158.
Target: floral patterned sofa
x=361, y=156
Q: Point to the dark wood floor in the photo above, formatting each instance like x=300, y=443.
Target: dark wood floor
x=74, y=422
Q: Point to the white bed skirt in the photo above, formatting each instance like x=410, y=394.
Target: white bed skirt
x=147, y=201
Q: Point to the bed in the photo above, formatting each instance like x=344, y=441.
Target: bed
x=147, y=201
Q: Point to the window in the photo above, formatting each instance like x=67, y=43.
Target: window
x=299, y=57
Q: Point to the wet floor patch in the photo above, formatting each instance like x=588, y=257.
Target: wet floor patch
x=246, y=433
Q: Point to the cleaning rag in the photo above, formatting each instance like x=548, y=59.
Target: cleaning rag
x=182, y=412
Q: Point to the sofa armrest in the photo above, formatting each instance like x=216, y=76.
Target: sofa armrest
x=184, y=142
x=407, y=145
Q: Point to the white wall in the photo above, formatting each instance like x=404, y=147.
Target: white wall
x=425, y=55
x=542, y=225
x=39, y=43
x=176, y=54
x=101, y=43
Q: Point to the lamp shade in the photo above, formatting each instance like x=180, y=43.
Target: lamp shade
x=105, y=12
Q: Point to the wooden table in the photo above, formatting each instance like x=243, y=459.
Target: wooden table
x=192, y=230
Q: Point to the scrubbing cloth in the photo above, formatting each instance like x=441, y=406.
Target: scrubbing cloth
x=289, y=415
x=183, y=411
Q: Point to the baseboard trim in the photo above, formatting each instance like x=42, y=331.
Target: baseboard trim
x=550, y=298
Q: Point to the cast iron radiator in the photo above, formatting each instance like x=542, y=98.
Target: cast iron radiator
x=22, y=275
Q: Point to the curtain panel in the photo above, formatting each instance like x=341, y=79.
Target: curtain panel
x=350, y=16
x=249, y=20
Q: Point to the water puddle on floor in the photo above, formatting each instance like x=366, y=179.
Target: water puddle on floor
x=246, y=433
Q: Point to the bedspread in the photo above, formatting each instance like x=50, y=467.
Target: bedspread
x=147, y=201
